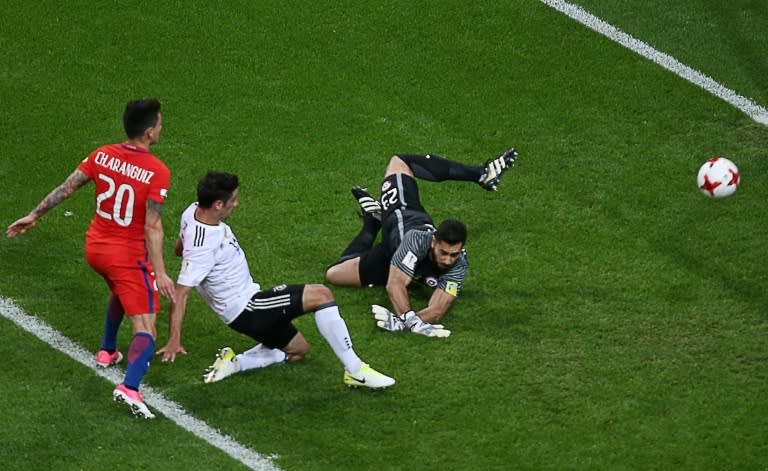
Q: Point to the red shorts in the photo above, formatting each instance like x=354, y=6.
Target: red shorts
x=131, y=279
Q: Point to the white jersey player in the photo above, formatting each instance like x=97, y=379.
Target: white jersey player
x=215, y=264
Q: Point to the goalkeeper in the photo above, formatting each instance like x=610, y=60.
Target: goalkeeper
x=411, y=248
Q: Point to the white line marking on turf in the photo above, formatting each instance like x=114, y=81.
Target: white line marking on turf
x=747, y=106
x=168, y=408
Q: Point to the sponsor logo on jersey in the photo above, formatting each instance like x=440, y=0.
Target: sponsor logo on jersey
x=452, y=288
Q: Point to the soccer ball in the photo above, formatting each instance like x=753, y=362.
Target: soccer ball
x=718, y=177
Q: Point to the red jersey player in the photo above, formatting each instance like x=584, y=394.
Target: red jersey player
x=124, y=242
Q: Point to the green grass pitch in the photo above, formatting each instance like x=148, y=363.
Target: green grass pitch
x=613, y=317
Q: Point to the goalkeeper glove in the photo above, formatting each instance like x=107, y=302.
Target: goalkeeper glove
x=386, y=319
x=418, y=326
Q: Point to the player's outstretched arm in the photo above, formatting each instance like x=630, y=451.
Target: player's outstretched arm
x=438, y=305
x=175, y=321
x=73, y=183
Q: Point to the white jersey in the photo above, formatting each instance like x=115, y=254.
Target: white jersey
x=215, y=264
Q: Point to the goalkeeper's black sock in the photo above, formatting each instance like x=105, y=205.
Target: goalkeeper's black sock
x=363, y=241
x=436, y=169
x=371, y=224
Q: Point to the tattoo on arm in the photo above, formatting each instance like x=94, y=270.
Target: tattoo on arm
x=73, y=183
x=155, y=207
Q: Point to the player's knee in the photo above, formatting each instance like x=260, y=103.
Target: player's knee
x=316, y=295
x=345, y=272
x=331, y=274
x=398, y=165
x=299, y=351
x=296, y=349
x=323, y=294
x=296, y=356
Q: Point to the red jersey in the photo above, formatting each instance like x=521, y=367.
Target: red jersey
x=125, y=177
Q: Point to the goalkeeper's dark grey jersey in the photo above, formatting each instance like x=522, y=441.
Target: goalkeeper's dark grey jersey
x=412, y=257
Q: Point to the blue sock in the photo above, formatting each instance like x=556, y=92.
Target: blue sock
x=140, y=354
x=112, y=324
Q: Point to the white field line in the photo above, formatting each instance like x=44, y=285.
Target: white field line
x=155, y=399
x=751, y=109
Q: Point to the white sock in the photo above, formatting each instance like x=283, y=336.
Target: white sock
x=260, y=356
x=333, y=328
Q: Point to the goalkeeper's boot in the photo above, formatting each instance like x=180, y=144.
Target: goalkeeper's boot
x=418, y=326
x=226, y=364
x=367, y=377
x=495, y=168
x=368, y=203
x=105, y=359
x=134, y=400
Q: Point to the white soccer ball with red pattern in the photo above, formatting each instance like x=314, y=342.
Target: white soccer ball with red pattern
x=718, y=177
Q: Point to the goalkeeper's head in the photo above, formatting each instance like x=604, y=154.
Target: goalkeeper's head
x=448, y=243
x=452, y=232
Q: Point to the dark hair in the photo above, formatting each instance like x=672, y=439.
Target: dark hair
x=215, y=186
x=452, y=232
x=140, y=115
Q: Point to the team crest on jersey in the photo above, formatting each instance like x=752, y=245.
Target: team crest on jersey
x=431, y=281
x=231, y=239
x=280, y=288
x=452, y=288
x=385, y=186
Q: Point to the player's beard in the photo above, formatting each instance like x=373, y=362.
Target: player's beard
x=435, y=262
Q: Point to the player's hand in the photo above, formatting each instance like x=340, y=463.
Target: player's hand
x=380, y=311
x=386, y=320
x=170, y=351
x=418, y=326
x=166, y=286
x=431, y=330
x=20, y=226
